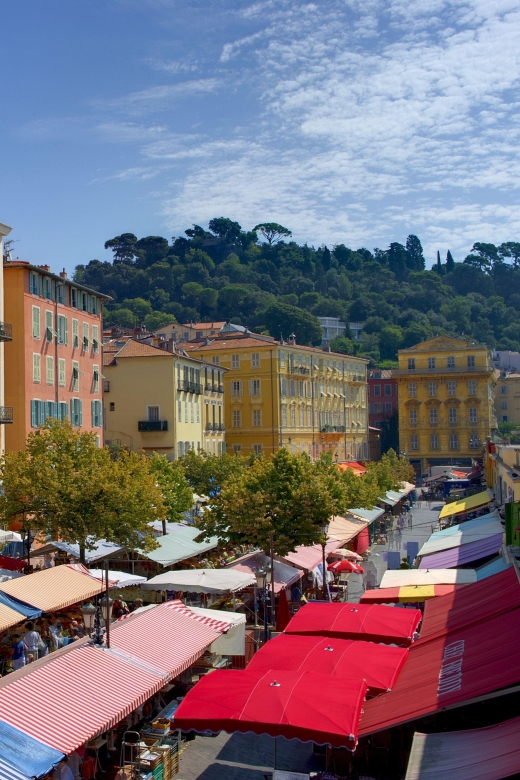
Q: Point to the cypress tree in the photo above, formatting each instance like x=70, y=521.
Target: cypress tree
x=450, y=262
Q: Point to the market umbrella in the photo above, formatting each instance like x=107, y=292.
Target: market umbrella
x=342, y=552
x=283, y=614
x=341, y=566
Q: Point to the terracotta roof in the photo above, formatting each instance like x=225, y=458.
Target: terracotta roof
x=133, y=348
x=204, y=324
x=239, y=341
x=41, y=270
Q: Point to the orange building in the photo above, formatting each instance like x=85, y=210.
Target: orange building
x=54, y=362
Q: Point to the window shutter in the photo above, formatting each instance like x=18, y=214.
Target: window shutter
x=34, y=414
x=231, y=388
x=93, y=411
x=42, y=412
x=72, y=410
x=80, y=410
x=251, y=389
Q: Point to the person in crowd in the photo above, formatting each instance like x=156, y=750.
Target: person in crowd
x=18, y=650
x=404, y=564
x=55, y=630
x=409, y=518
x=32, y=640
x=398, y=538
x=391, y=538
x=63, y=771
x=400, y=522
x=118, y=604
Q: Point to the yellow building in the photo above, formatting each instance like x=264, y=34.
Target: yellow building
x=446, y=401
x=161, y=401
x=507, y=398
x=503, y=471
x=283, y=394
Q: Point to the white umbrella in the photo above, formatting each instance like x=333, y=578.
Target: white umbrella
x=344, y=553
x=117, y=579
x=201, y=581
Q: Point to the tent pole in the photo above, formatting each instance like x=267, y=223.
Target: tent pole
x=274, y=747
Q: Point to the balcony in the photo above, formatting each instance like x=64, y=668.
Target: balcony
x=106, y=386
x=6, y=415
x=6, y=331
x=220, y=427
x=333, y=429
x=152, y=426
x=185, y=386
x=209, y=426
x=442, y=370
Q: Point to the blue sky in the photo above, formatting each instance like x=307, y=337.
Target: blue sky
x=353, y=121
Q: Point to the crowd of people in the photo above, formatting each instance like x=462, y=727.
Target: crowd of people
x=395, y=533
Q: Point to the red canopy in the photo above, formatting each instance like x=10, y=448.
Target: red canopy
x=345, y=658
x=307, y=706
x=374, y=623
x=450, y=669
x=12, y=564
x=471, y=604
x=283, y=614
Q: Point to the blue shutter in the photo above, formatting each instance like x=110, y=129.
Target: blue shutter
x=80, y=415
x=64, y=411
x=34, y=414
x=41, y=405
x=72, y=418
x=56, y=410
x=49, y=409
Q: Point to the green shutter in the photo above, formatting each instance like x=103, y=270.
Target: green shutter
x=80, y=415
x=34, y=414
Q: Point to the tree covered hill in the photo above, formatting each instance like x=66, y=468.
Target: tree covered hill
x=263, y=279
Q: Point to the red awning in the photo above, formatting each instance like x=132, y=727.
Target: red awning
x=395, y=595
x=471, y=604
x=374, y=623
x=450, y=669
x=362, y=541
x=307, y=706
x=379, y=665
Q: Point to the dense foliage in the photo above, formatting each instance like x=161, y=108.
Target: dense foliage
x=279, y=287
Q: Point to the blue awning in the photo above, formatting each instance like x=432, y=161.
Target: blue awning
x=15, y=550
x=22, y=756
x=25, y=610
x=493, y=567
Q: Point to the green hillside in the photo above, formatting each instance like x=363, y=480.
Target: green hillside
x=268, y=282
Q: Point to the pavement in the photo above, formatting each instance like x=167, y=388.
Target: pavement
x=249, y=757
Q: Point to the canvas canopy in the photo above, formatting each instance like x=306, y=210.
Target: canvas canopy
x=356, y=621
x=407, y=594
x=284, y=575
x=403, y=577
x=466, y=553
x=457, y=535
x=53, y=588
x=379, y=665
x=308, y=557
x=307, y=706
x=23, y=755
x=466, y=504
x=179, y=545
x=201, y=581
x=344, y=529
x=118, y=579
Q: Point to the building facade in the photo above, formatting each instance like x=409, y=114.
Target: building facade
x=54, y=359
x=6, y=412
x=158, y=400
x=507, y=398
x=502, y=466
x=382, y=396
x=283, y=394
x=446, y=401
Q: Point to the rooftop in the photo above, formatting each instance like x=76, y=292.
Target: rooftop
x=45, y=270
x=250, y=340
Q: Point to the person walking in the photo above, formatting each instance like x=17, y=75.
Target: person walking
x=410, y=519
x=398, y=538
x=32, y=640
x=18, y=650
x=391, y=538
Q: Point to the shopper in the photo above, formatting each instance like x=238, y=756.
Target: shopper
x=119, y=604
x=398, y=538
x=410, y=520
x=391, y=538
x=18, y=650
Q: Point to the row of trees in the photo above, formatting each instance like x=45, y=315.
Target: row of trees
x=263, y=279
x=69, y=489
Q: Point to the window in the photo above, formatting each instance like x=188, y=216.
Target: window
x=257, y=449
x=48, y=326
x=237, y=448
x=452, y=415
x=473, y=414
x=433, y=416
x=37, y=368
x=85, y=336
x=474, y=441
x=60, y=293
x=282, y=359
x=377, y=389
x=179, y=411
x=431, y=362
x=153, y=414
x=48, y=286
x=503, y=389
x=302, y=416
x=451, y=362
x=215, y=360
x=236, y=418
x=412, y=390
x=75, y=334
x=388, y=389
x=293, y=416
x=411, y=364
x=257, y=418
x=255, y=360
x=63, y=411
x=95, y=339
x=35, y=284
x=49, y=369
x=236, y=388
x=284, y=416
x=112, y=406
x=434, y=442
x=471, y=361
x=185, y=411
x=388, y=408
x=95, y=380
x=413, y=416
x=192, y=412
x=62, y=380
x=452, y=388
x=235, y=361
x=36, y=322
x=432, y=388
x=309, y=417
x=503, y=405
x=63, y=329
x=472, y=387
x=73, y=297
x=75, y=376
x=76, y=412
x=504, y=418
x=454, y=441
x=414, y=442
x=97, y=415
x=254, y=387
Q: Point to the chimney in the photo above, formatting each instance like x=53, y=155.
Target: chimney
x=63, y=274
x=44, y=267
x=292, y=339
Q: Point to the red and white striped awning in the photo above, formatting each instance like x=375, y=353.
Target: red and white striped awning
x=218, y=625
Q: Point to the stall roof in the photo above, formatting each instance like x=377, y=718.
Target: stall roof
x=24, y=610
x=22, y=755
x=494, y=567
x=179, y=544
x=367, y=514
x=9, y=617
x=117, y=579
x=459, y=556
x=379, y=665
x=201, y=581
x=401, y=577
x=206, y=617
x=467, y=504
x=356, y=621
x=471, y=604
x=307, y=558
x=450, y=670
x=407, y=594
x=343, y=529
x=53, y=588
x=475, y=754
x=472, y=531
x=296, y=705
x=284, y=575
x=100, y=549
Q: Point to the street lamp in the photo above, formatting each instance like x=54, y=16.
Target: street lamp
x=92, y=621
x=263, y=580
x=27, y=540
x=324, y=531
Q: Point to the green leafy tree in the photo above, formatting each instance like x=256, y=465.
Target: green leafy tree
x=206, y=474
x=450, y=262
x=281, y=318
x=157, y=319
x=415, y=253
x=171, y=480
x=272, y=231
x=73, y=491
x=225, y=229
x=123, y=247
x=343, y=345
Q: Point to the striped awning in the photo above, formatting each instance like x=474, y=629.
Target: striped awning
x=8, y=772
x=53, y=588
x=217, y=625
x=9, y=617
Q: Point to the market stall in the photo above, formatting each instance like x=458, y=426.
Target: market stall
x=201, y=581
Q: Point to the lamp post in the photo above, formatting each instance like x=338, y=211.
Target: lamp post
x=27, y=539
x=324, y=531
x=92, y=620
x=262, y=581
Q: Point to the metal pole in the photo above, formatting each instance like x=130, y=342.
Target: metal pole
x=256, y=606
x=266, y=632
x=274, y=738
x=107, y=623
x=273, y=603
x=323, y=544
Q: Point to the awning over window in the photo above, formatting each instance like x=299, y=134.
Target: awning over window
x=379, y=665
x=307, y=706
x=356, y=621
x=467, y=504
x=449, y=670
x=459, y=556
x=476, y=754
x=457, y=535
x=52, y=589
x=401, y=577
x=23, y=756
